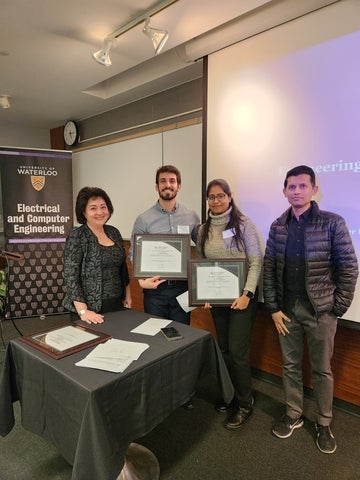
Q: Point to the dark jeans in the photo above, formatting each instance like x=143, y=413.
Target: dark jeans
x=320, y=332
x=233, y=328
x=162, y=301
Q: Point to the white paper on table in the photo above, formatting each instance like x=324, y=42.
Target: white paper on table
x=151, y=326
x=110, y=365
x=114, y=355
x=183, y=301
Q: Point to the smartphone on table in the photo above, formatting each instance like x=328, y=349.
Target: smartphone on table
x=170, y=333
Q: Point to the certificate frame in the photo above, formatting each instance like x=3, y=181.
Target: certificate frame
x=159, y=261
x=237, y=270
x=38, y=340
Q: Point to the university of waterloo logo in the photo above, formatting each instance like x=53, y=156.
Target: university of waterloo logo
x=38, y=182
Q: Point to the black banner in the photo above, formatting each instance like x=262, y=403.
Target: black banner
x=37, y=209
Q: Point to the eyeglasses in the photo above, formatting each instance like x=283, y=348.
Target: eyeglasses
x=218, y=196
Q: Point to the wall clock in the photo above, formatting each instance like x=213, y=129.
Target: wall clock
x=71, y=133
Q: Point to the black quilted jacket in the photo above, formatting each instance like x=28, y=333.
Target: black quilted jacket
x=83, y=267
x=331, y=263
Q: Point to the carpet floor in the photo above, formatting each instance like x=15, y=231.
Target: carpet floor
x=194, y=445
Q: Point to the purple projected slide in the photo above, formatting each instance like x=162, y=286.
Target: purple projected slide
x=302, y=108
x=316, y=122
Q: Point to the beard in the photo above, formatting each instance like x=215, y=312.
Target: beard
x=167, y=194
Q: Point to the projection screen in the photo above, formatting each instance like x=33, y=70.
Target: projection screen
x=287, y=97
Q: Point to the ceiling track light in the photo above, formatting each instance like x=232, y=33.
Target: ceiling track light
x=4, y=101
x=103, y=56
x=157, y=36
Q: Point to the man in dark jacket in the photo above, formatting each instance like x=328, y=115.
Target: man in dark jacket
x=310, y=273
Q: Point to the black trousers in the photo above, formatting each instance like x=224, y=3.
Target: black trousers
x=162, y=301
x=233, y=329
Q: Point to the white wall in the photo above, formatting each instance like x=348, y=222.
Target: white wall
x=126, y=171
x=25, y=137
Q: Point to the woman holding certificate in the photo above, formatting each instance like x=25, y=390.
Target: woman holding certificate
x=229, y=234
x=95, y=270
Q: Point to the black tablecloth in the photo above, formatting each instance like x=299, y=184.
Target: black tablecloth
x=92, y=415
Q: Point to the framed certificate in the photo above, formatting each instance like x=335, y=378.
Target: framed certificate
x=63, y=341
x=216, y=281
x=161, y=254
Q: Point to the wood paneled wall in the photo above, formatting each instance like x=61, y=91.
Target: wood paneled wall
x=57, y=138
x=266, y=354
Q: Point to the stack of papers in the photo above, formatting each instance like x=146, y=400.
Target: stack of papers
x=151, y=327
x=113, y=355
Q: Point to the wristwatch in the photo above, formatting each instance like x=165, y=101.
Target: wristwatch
x=249, y=294
x=82, y=312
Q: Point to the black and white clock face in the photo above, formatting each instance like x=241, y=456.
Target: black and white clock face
x=70, y=133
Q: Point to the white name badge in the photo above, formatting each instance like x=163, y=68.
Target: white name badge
x=183, y=229
x=228, y=233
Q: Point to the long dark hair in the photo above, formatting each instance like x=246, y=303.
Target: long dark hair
x=236, y=218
